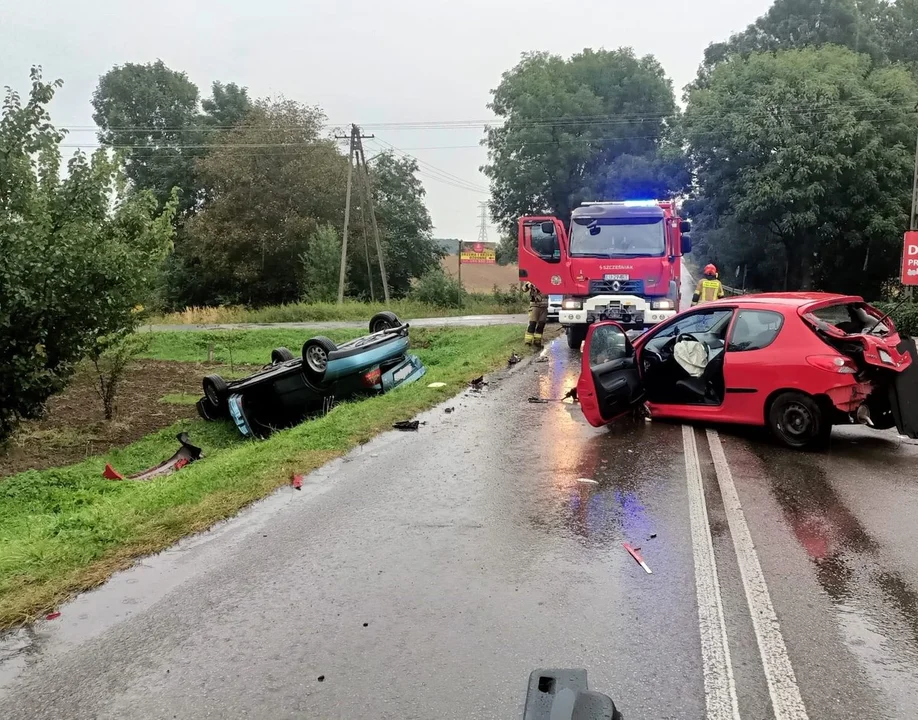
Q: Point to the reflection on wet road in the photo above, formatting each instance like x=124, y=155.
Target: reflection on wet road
x=426, y=574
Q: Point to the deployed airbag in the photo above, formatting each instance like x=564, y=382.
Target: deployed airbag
x=692, y=355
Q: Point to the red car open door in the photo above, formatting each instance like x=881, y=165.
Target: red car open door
x=610, y=385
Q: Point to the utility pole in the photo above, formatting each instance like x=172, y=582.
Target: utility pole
x=913, y=224
x=347, y=212
x=362, y=163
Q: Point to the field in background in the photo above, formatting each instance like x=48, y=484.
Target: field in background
x=482, y=278
x=350, y=310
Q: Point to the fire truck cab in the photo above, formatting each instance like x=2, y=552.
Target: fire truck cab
x=618, y=261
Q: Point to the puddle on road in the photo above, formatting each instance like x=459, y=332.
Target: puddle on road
x=876, y=608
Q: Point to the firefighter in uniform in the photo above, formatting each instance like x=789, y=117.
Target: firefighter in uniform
x=709, y=287
x=538, y=315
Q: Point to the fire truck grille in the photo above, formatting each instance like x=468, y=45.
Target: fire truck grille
x=616, y=287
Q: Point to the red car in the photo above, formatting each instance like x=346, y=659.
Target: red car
x=797, y=363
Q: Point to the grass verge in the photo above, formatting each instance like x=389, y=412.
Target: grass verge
x=65, y=530
x=350, y=310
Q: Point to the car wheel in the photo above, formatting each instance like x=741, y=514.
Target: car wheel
x=216, y=390
x=280, y=355
x=576, y=334
x=384, y=321
x=797, y=421
x=315, y=357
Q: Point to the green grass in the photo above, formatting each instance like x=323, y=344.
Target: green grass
x=350, y=310
x=64, y=530
x=179, y=399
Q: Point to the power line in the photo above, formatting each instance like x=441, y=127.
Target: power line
x=600, y=119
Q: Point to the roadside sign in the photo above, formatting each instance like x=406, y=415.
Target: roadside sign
x=478, y=253
x=910, y=259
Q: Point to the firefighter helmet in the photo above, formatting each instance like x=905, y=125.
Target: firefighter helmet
x=709, y=269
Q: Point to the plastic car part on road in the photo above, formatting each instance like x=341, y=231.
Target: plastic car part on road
x=187, y=453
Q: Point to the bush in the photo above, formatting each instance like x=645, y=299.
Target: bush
x=514, y=297
x=905, y=317
x=437, y=288
x=110, y=358
x=78, y=257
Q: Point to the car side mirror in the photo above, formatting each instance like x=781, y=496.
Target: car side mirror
x=685, y=226
x=686, y=244
x=548, y=228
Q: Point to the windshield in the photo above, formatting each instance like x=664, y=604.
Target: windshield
x=620, y=237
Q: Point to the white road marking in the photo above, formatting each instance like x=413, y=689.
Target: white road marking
x=719, y=686
x=779, y=674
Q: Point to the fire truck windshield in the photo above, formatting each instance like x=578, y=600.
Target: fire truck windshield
x=627, y=237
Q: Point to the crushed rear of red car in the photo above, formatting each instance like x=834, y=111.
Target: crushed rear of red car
x=885, y=394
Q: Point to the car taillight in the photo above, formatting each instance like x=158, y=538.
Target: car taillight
x=371, y=378
x=833, y=363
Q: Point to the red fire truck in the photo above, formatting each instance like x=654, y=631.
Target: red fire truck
x=619, y=261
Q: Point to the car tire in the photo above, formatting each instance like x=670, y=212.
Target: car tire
x=315, y=357
x=384, y=320
x=576, y=334
x=280, y=355
x=796, y=420
x=207, y=410
x=216, y=390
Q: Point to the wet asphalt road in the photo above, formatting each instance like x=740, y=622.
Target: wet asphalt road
x=426, y=574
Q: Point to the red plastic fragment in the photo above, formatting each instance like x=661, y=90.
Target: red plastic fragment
x=52, y=616
x=111, y=474
x=297, y=482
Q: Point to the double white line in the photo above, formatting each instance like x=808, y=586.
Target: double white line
x=719, y=685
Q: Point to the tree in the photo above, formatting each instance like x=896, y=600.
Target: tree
x=886, y=31
x=79, y=254
x=404, y=224
x=227, y=106
x=152, y=113
x=264, y=202
x=321, y=265
x=592, y=127
x=804, y=167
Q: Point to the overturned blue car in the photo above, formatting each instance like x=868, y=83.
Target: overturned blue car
x=292, y=389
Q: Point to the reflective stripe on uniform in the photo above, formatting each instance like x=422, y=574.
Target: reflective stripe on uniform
x=710, y=290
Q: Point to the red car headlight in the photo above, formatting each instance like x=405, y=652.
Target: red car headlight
x=833, y=363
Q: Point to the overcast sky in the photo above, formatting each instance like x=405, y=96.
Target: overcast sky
x=388, y=61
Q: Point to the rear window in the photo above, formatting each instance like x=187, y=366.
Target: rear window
x=850, y=319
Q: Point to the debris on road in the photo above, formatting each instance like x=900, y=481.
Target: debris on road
x=538, y=400
x=437, y=385
x=653, y=535
x=406, y=425
x=514, y=359
x=572, y=394
x=478, y=383
x=297, y=482
x=187, y=453
x=542, y=358
x=588, y=481
x=449, y=409
x=637, y=556
x=53, y=616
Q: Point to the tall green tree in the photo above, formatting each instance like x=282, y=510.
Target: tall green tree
x=78, y=254
x=803, y=167
x=887, y=31
x=227, y=106
x=272, y=182
x=588, y=128
x=151, y=111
